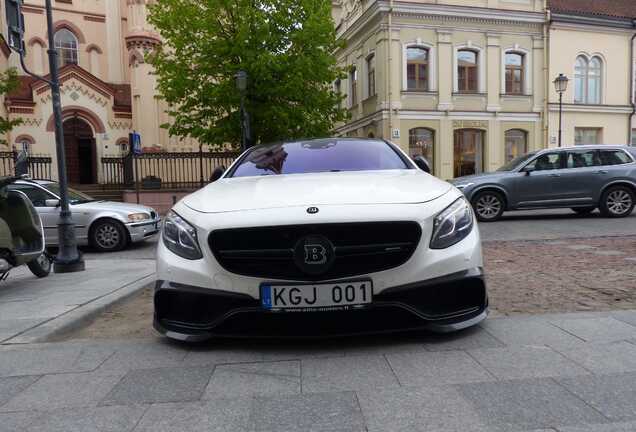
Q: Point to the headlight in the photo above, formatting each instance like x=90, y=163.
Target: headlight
x=138, y=217
x=180, y=237
x=461, y=186
x=452, y=225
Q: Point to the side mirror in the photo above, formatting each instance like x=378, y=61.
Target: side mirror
x=527, y=170
x=422, y=164
x=217, y=173
x=52, y=203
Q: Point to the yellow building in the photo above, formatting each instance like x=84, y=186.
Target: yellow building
x=464, y=82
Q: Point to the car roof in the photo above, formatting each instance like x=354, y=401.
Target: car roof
x=39, y=182
x=591, y=147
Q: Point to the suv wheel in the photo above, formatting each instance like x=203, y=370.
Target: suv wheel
x=617, y=201
x=489, y=206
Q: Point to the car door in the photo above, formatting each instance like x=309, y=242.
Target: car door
x=48, y=215
x=613, y=166
x=540, y=186
x=580, y=177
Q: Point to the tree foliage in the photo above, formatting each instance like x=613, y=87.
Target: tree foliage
x=285, y=46
x=8, y=82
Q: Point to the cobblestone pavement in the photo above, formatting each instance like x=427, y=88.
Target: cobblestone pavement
x=568, y=373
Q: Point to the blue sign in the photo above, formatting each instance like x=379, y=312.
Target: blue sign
x=135, y=143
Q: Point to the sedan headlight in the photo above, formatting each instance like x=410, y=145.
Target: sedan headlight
x=138, y=217
x=452, y=225
x=462, y=186
x=180, y=237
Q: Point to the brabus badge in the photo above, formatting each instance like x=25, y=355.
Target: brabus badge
x=312, y=210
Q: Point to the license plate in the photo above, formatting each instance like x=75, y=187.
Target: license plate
x=330, y=296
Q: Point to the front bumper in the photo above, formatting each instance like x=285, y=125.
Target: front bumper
x=142, y=230
x=443, y=304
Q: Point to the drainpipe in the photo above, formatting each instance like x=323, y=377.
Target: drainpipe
x=546, y=79
x=389, y=79
x=632, y=75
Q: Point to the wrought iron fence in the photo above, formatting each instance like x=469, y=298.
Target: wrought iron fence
x=163, y=170
x=39, y=165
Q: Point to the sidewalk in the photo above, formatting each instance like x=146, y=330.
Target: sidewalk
x=565, y=372
x=32, y=309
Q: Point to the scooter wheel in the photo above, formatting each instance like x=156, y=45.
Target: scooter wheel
x=41, y=266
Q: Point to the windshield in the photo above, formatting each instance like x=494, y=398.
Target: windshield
x=74, y=197
x=516, y=162
x=328, y=155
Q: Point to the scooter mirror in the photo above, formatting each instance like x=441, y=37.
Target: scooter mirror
x=52, y=203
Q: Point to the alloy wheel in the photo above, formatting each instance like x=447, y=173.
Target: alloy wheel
x=488, y=206
x=107, y=236
x=619, y=202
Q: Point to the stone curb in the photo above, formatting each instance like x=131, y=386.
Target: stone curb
x=81, y=315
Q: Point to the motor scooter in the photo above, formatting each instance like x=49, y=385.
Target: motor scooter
x=21, y=232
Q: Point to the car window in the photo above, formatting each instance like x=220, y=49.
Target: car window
x=316, y=156
x=547, y=161
x=37, y=196
x=582, y=159
x=614, y=157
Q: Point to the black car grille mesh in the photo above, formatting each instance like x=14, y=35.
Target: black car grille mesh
x=359, y=248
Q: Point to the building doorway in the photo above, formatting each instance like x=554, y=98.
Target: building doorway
x=469, y=152
x=81, y=154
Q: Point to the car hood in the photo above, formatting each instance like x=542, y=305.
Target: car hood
x=118, y=207
x=478, y=177
x=334, y=188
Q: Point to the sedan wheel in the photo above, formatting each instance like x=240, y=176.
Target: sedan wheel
x=617, y=202
x=109, y=236
x=489, y=206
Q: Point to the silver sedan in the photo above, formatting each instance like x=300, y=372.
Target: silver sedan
x=106, y=225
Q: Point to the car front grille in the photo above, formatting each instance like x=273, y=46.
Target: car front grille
x=358, y=249
x=153, y=215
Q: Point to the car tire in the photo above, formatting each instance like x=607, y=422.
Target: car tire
x=108, y=235
x=617, y=202
x=41, y=266
x=583, y=210
x=488, y=206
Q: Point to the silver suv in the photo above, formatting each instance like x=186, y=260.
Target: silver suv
x=582, y=178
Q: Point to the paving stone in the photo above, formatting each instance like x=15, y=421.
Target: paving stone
x=628, y=317
x=221, y=415
x=314, y=412
x=609, y=252
x=598, y=329
x=17, y=421
x=385, y=344
x=267, y=378
x=50, y=358
x=471, y=338
x=529, y=331
x=418, y=410
x=221, y=355
x=613, y=427
x=347, y=373
x=538, y=403
x=580, y=247
x=53, y=392
x=613, y=395
x=11, y=386
x=9, y=328
x=160, y=385
x=103, y=419
x=436, y=368
x=144, y=355
x=526, y=362
x=604, y=358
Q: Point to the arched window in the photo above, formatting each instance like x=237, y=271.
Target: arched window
x=515, y=65
x=468, y=152
x=422, y=143
x=67, y=47
x=24, y=142
x=467, y=72
x=588, y=76
x=516, y=143
x=417, y=68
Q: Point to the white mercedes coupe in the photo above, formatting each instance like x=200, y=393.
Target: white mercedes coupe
x=315, y=238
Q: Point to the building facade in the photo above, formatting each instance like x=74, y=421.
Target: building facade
x=108, y=89
x=468, y=84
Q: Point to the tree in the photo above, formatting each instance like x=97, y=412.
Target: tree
x=285, y=46
x=8, y=82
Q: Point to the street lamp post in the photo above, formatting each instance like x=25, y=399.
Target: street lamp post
x=246, y=134
x=561, y=85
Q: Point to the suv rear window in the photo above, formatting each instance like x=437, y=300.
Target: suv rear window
x=614, y=157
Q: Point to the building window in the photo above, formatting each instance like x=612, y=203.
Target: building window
x=468, y=152
x=371, y=76
x=515, y=64
x=422, y=143
x=353, y=86
x=337, y=88
x=67, y=47
x=583, y=136
x=417, y=63
x=587, y=80
x=634, y=137
x=516, y=143
x=467, y=75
